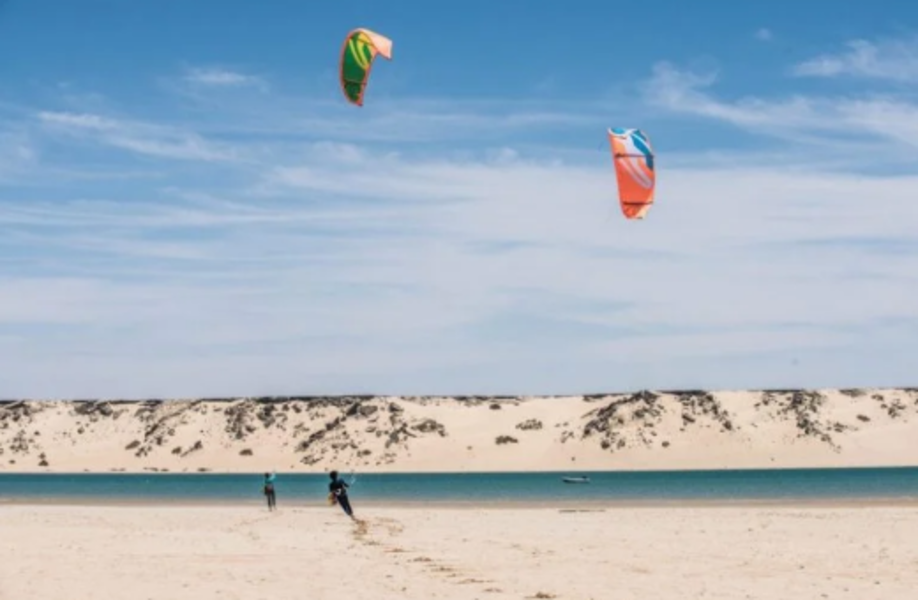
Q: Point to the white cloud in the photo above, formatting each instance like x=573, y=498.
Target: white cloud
x=325, y=266
x=219, y=77
x=138, y=137
x=894, y=60
x=827, y=121
x=18, y=153
x=413, y=118
x=402, y=120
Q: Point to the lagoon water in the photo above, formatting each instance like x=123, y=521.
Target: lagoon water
x=475, y=488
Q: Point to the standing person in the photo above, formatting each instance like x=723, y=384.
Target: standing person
x=338, y=492
x=269, y=491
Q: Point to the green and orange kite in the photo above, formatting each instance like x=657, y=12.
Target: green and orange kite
x=357, y=55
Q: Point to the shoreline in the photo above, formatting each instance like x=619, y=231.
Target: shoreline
x=445, y=472
x=296, y=503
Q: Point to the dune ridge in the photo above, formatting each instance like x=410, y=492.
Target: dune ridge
x=692, y=429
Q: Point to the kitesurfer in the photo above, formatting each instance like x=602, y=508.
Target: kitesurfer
x=269, y=491
x=337, y=490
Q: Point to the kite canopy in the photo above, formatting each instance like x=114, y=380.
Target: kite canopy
x=357, y=55
x=634, y=169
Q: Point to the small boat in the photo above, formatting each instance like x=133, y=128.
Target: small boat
x=575, y=479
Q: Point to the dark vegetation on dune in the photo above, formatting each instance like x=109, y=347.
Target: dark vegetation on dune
x=321, y=428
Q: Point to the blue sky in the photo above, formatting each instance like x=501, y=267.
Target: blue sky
x=188, y=206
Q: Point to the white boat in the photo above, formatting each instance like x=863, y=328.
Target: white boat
x=575, y=479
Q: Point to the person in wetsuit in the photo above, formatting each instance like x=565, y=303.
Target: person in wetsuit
x=269, y=491
x=338, y=488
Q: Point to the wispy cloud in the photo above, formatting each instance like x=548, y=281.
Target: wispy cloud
x=802, y=119
x=894, y=60
x=220, y=77
x=284, y=116
x=764, y=34
x=138, y=137
x=404, y=121
x=438, y=251
x=17, y=152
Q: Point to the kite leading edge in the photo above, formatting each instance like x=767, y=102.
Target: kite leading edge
x=357, y=55
x=633, y=158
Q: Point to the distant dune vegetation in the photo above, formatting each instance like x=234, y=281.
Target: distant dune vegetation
x=643, y=430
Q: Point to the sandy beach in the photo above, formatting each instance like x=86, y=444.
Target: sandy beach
x=615, y=431
x=245, y=553
x=231, y=551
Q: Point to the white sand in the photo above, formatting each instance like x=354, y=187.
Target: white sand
x=723, y=430
x=245, y=553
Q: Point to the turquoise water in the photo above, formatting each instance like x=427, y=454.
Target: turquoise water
x=476, y=488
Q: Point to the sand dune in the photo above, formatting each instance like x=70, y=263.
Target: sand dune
x=644, y=430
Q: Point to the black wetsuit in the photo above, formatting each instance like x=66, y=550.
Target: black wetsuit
x=339, y=489
x=269, y=493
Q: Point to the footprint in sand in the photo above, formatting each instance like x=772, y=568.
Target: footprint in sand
x=442, y=569
x=361, y=529
x=394, y=528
